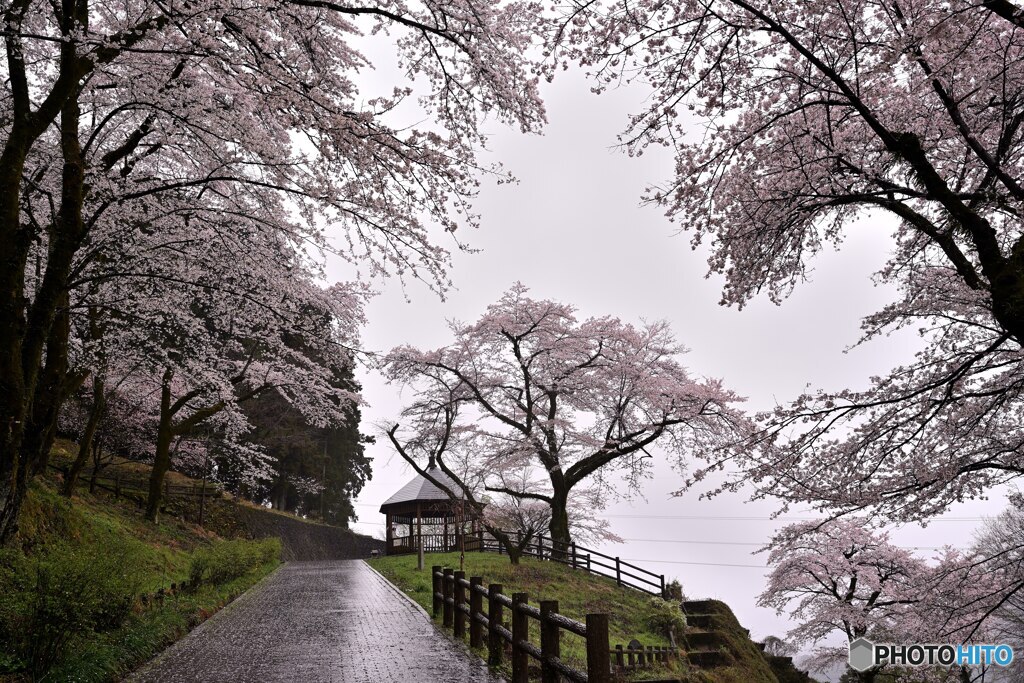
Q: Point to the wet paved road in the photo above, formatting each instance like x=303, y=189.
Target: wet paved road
x=317, y=622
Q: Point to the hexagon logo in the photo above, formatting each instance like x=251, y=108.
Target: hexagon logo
x=862, y=653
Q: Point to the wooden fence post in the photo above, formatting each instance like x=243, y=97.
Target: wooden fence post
x=476, y=606
x=494, y=614
x=598, y=665
x=618, y=572
x=460, y=601
x=574, y=554
x=663, y=596
x=202, y=502
x=435, y=581
x=446, y=589
x=520, y=634
x=619, y=660
x=549, y=642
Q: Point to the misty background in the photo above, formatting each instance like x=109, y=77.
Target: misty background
x=573, y=230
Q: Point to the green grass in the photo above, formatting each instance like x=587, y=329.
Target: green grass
x=81, y=542
x=578, y=594
x=108, y=656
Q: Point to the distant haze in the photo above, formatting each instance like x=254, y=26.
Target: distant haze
x=572, y=230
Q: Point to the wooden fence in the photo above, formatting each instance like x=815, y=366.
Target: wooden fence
x=138, y=490
x=636, y=656
x=129, y=485
x=578, y=557
x=461, y=603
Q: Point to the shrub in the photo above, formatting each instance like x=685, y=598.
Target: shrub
x=666, y=618
x=227, y=560
x=52, y=599
x=674, y=590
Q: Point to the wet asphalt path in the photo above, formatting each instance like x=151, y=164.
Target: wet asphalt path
x=317, y=622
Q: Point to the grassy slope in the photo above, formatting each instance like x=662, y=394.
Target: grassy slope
x=230, y=516
x=578, y=593
x=91, y=523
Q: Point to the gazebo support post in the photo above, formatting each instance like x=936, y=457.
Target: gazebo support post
x=419, y=537
x=389, y=543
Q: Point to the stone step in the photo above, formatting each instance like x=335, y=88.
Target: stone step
x=708, y=622
x=698, y=606
x=703, y=640
x=708, y=659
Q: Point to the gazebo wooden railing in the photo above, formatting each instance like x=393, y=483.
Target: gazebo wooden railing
x=435, y=543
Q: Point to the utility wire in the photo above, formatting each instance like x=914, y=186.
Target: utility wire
x=693, y=542
x=745, y=519
x=703, y=564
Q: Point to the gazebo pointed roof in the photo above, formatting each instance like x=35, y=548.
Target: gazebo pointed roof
x=422, y=490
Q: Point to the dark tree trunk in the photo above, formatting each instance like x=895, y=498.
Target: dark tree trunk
x=13, y=389
x=279, y=494
x=162, y=461
x=86, y=444
x=558, y=527
x=56, y=383
x=867, y=676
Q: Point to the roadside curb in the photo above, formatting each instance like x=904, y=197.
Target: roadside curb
x=398, y=590
x=437, y=629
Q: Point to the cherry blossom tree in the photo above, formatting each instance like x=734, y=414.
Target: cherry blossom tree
x=845, y=577
x=790, y=122
x=212, y=327
x=115, y=103
x=840, y=577
x=434, y=438
x=534, y=387
x=434, y=434
x=975, y=595
x=1002, y=543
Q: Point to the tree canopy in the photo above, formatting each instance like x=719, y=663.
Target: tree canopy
x=531, y=386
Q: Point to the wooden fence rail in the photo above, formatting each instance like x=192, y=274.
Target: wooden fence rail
x=636, y=656
x=119, y=485
x=463, y=603
x=578, y=557
x=460, y=602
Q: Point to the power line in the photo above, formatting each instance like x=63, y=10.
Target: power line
x=694, y=542
x=771, y=519
x=703, y=564
x=745, y=518
x=739, y=543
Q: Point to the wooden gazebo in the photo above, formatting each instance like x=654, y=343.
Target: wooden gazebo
x=420, y=513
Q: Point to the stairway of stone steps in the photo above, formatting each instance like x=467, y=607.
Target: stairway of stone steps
x=703, y=639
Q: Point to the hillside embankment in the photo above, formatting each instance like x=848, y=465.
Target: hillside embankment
x=89, y=590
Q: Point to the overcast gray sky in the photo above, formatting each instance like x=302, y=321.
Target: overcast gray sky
x=573, y=230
